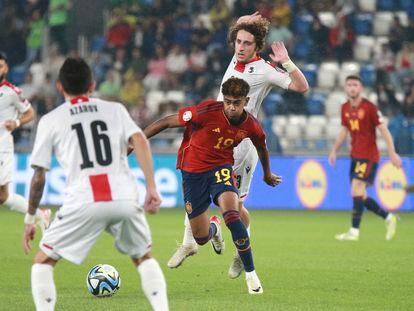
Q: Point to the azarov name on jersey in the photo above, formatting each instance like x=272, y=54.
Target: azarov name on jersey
x=83, y=108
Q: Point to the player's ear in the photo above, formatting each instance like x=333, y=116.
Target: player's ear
x=247, y=100
x=92, y=87
x=59, y=87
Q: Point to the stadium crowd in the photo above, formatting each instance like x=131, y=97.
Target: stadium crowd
x=156, y=56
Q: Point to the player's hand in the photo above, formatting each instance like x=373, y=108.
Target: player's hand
x=249, y=18
x=396, y=160
x=152, y=201
x=272, y=180
x=28, y=235
x=10, y=125
x=280, y=53
x=332, y=158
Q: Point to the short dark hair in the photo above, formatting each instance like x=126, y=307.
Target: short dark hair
x=258, y=29
x=75, y=75
x=235, y=87
x=3, y=56
x=353, y=77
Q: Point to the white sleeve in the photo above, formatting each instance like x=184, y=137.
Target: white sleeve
x=21, y=103
x=128, y=125
x=43, y=146
x=278, y=77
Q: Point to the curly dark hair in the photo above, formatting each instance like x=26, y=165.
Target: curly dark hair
x=235, y=87
x=258, y=29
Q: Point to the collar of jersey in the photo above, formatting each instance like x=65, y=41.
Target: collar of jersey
x=5, y=82
x=241, y=66
x=79, y=99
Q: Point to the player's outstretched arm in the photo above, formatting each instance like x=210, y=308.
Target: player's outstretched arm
x=338, y=143
x=280, y=55
x=394, y=157
x=36, y=191
x=162, y=124
x=268, y=177
x=143, y=153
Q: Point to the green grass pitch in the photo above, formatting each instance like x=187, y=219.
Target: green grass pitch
x=300, y=264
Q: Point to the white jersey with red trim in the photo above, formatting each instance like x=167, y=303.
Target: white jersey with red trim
x=261, y=77
x=89, y=137
x=12, y=103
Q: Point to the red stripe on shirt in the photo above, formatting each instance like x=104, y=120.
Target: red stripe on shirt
x=100, y=188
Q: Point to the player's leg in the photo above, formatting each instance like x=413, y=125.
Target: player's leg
x=358, y=191
x=133, y=237
x=153, y=281
x=228, y=202
x=245, y=163
x=43, y=285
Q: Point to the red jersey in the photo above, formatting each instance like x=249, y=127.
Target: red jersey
x=361, y=122
x=209, y=137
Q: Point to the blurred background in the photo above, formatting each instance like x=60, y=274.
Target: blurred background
x=155, y=56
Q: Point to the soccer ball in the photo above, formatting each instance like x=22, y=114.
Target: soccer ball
x=103, y=280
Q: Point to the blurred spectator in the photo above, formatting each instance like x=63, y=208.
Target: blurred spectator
x=34, y=37
x=219, y=12
x=282, y=12
x=157, y=69
x=279, y=32
x=131, y=90
x=387, y=102
x=408, y=103
x=396, y=35
x=243, y=7
x=200, y=35
x=296, y=103
x=120, y=60
x=53, y=62
x=46, y=105
x=264, y=8
x=28, y=88
x=120, y=29
x=182, y=31
x=197, y=64
x=14, y=42
x=110, y=88
x=58, y=21
x=404, y=67
x=218, y=38
x=409, y=31
x=177, y=62
x=385, y=63
x=342, y=38
x=138, y=63
x=141, y=114
x=319, y=34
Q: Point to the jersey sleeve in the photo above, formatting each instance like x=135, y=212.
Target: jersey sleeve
x=21, y=103
x=257, y=135
x=43, y=146
x=376, y=115
x=343, y=119
x=129, y=127
x=278, y=77
x=188, y=115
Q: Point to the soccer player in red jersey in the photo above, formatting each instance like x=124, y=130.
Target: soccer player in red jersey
x=205, y=158
x=360, y=118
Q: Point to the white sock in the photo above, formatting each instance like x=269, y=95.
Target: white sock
x=354, y=231
x=389, y=216
x=18, y=204
x=153, y=284
x=43, y=287
x=188, y=238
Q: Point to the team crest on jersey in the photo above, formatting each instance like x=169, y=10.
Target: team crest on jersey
x=361, y=113
x=251, y=69
x=188, y=207
x=240, y=135
x=187, y=116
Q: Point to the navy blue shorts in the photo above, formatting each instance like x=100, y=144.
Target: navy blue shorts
x=363, y=169
x=202, y=188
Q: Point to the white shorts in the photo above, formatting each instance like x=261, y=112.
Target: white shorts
x=6, y=167
x=245, y=161
x=75, y=230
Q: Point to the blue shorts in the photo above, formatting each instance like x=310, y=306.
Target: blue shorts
x=201, y=188
x=363, y=169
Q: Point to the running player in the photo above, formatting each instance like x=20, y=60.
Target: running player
x=248, y=38
x=361, y=118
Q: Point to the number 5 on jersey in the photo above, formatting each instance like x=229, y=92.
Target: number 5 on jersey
x=101, y=144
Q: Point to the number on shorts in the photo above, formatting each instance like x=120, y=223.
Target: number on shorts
x=360, y=168
x=223, y=175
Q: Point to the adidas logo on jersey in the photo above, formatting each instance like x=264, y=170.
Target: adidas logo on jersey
x=217, y=130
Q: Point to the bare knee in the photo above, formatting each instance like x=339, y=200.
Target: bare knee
x=42, y=258
x=4, y=194
x=140, y=260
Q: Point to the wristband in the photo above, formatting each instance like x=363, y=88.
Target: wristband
x=17, y=121
x=29, y=219
x=289, y=66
